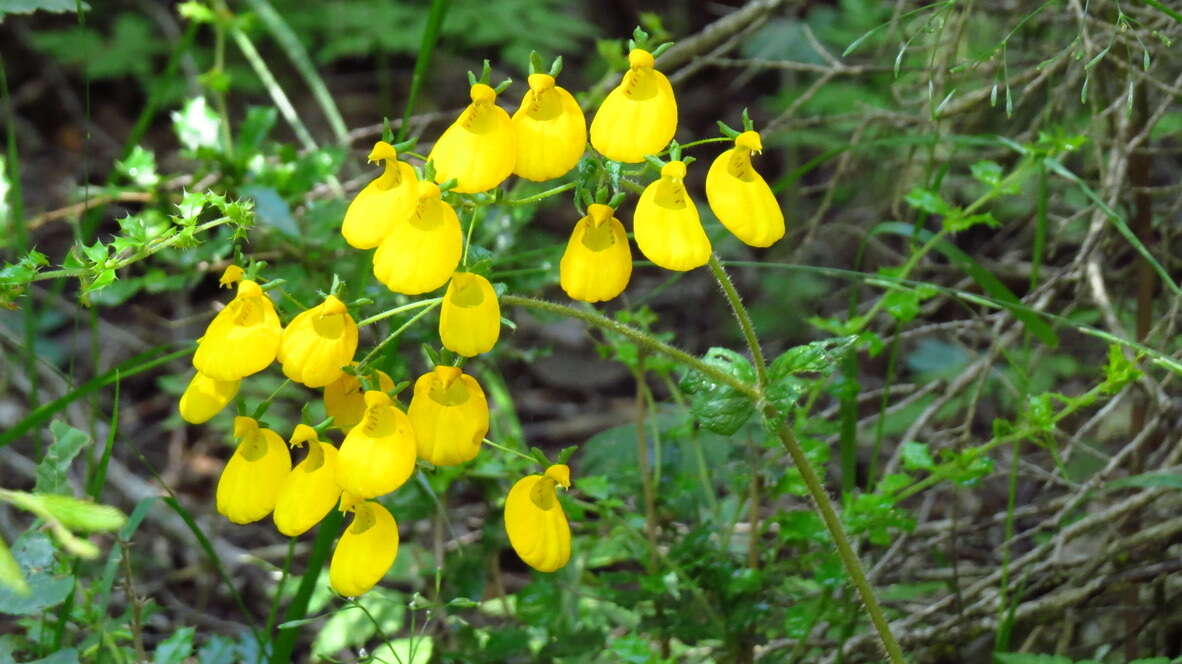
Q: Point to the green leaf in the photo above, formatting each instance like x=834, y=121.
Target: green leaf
x=929, y=201
x=1119, y=371
x=414, y=650
x=34, y=553
x=957, y=222
x=350, y=627
x=51, y=472
x=987, y=172
x=196, y=11
x=984, y=278
x=176, y=648
x=916, y=456
x=139, y=167
x=196, y=125
x=82, y=515
x=720, y=408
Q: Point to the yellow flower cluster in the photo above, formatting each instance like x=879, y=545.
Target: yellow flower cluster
x=408, y=216
x=445, y=424
x=418, y=236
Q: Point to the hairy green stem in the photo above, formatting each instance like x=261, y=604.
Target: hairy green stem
x=744, y=318
x=853, y=566
x=787, y=438
x=644, y=339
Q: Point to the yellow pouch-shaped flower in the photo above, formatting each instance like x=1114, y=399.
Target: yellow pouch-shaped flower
x=422, y=249
x=344, y=399
x=310, y=490
x=740, y=197
x=597, y=262
x=365, y=552
x=551, y=131
x=637, y=118
x=667, y=227
x=449, y=413
x=386, y=199
x=378, y=455
x=205, y=397
x=250, y=482
x=242, y=339
x=535, y=522
x=318, y=343
x=479, y=149
x=470, y=318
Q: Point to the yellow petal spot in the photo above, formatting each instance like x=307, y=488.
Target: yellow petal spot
x=249, y=485
x=749, y=140
x=535, y=522
x=470, y=317
x=344, y=399
x=382, y=151
x=741, y=198
x=560, y=473
x=378, y=455
x=639, y=116
x=365, y=551
x=482, y=94
x=303, y=434
x=232, y=275
x=667, y=227
x=205, y=397
x=597, y=263
x=639, y=58
x=449, y=413
x=318, y=344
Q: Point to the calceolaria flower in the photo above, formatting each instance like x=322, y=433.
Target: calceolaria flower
x=667, y=227
x=232, y=275
x=479, y=149
x=551, y=131
x=535, y=522
x=639, y=117
x=310, y=490
x=449, y=413
x=386, y=199
x=318, y=343
x=740, y=197
x=242, y=339
x=378, y=454
x=250, y=482
x=344, y=398
x=205, y=397
x=597, y=262
x=422, y=249
x=365, y=551
x=470, y=317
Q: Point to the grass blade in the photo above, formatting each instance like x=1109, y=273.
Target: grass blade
x=423, y=61
x=984, y=278
x=298, y=55
x=138, y=364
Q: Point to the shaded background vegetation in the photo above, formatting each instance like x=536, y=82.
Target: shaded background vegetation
x=1050, y=525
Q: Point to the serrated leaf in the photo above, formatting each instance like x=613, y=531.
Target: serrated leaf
x=717, y=407
x=957, y=222
x=929, y=201
x=987, y=172
x=139, y=167
x=51, y=472
x=196, y=125
x=916, y=456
